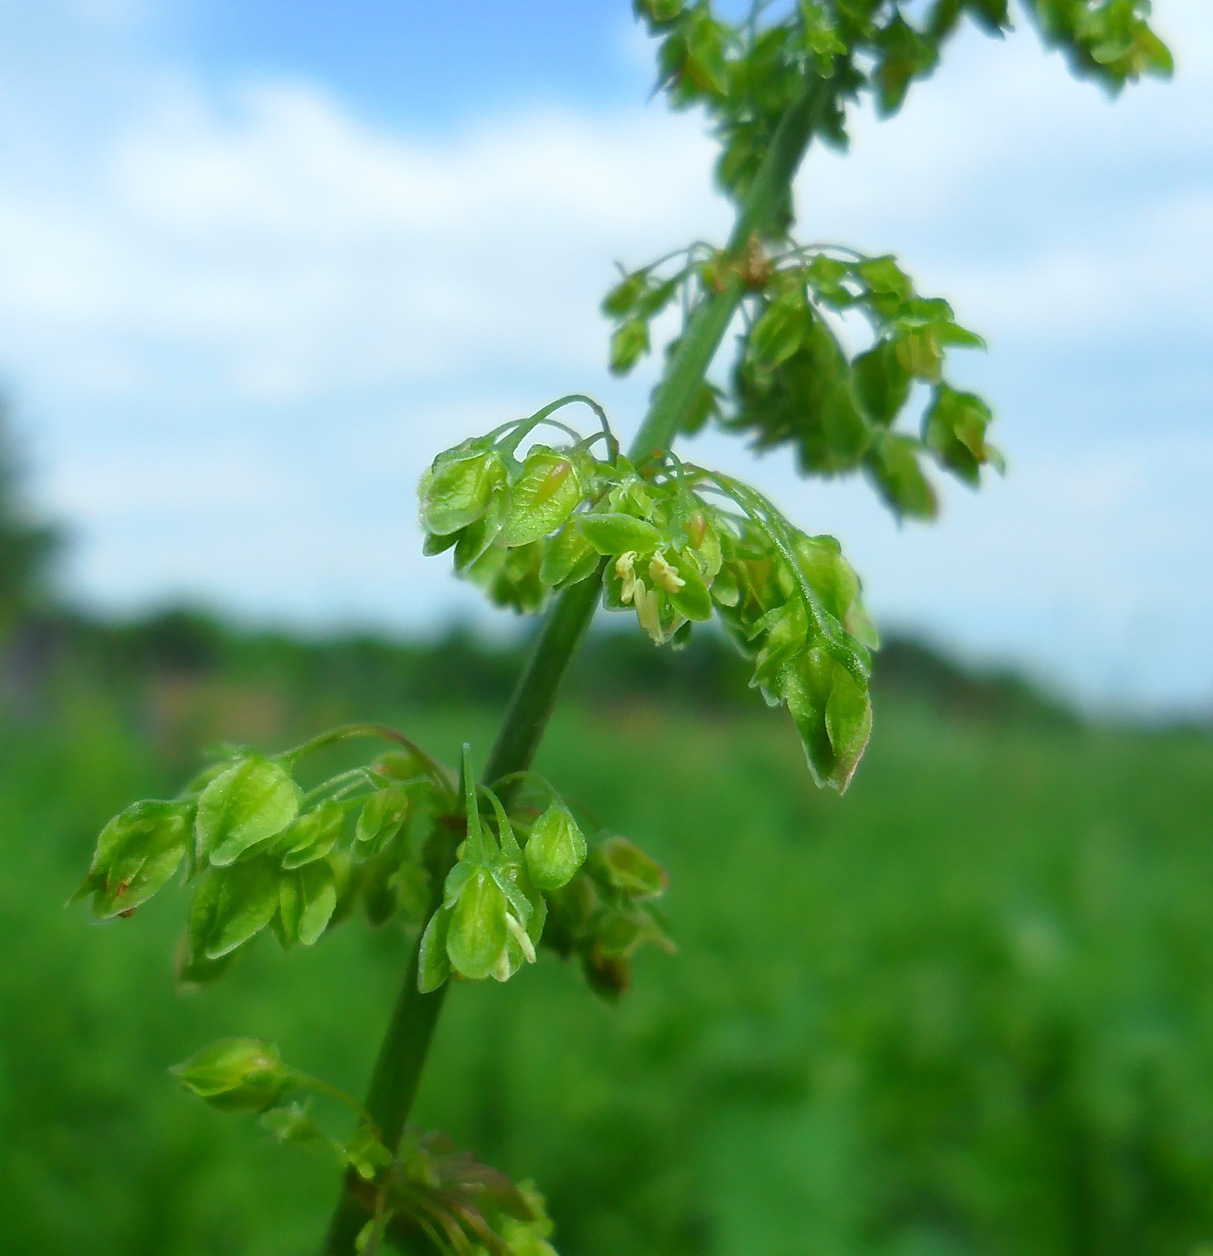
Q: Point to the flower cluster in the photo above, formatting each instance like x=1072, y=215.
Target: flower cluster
x=426, y=1190
x=674, y=543
x=747, y=73
x=794, y=383
x=264, y=854
x=502, y=892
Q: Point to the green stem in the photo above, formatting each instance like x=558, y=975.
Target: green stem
x=385, y=732
x=397, y=1073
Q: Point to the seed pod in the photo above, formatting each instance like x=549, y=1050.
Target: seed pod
x=547, y=493
x=459, y=486
x=478, y=929
x=237, y=1075
x=249, y=803
x=137, y=852
x=555, y=850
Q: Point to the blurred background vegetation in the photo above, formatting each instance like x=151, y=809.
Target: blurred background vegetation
x=964, y=1012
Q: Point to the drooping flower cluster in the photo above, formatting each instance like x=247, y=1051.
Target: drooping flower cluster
x=674, y=543
x=263, y=854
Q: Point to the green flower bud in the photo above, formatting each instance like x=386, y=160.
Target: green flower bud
x=555, y=850
x=366, y=1154
x=726, y=589
x=625, y=294
x=459, y=487
x=567, y=557
x=611, y=532
x=478, y=931
x=312, y=836
x=833, y=715
x=837, y=586
x=400, y=765
x=543, y=498
x=295, y=1126
x=629, y=343
x=954, y=428
x=629, y=869
x=784, y=637
x=511, y=577
x=249, y=803
x=237, y=1075
x=137, y=852
x=381, y=818
x=704, y=539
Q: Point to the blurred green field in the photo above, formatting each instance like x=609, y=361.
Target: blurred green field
x=963, y=1012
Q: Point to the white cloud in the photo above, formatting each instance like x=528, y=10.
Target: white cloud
x=244, y=321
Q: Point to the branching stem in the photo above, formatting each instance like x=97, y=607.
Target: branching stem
x=397, y=1073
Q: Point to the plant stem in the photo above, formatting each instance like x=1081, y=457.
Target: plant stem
x=397, y=1073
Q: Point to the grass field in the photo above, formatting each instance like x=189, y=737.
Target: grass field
x=965, y=1011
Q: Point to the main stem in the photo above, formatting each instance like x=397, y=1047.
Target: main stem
x=402, y=1055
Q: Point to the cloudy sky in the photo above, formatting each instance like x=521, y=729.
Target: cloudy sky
x=260, y=261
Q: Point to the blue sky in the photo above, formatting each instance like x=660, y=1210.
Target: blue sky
x=258, y=263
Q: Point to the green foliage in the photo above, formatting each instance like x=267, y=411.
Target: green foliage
x=966, y=1005
x=676, y=543
x=746, y=75
x=794, y=384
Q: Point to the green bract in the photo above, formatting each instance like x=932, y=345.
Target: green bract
x=232, y=905
x=478, y=931
x=312, y=836
x=546, y=493
x=631, y=870
x=382, y=817
x=832, y=712
x=568, y=557
x=612, y=532
x=137, y=852
x=249, y=803
x=237, y=1075
x=556, y=848
x=459, y=486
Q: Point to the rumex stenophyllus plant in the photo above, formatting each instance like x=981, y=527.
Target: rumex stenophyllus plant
x=482, y=870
